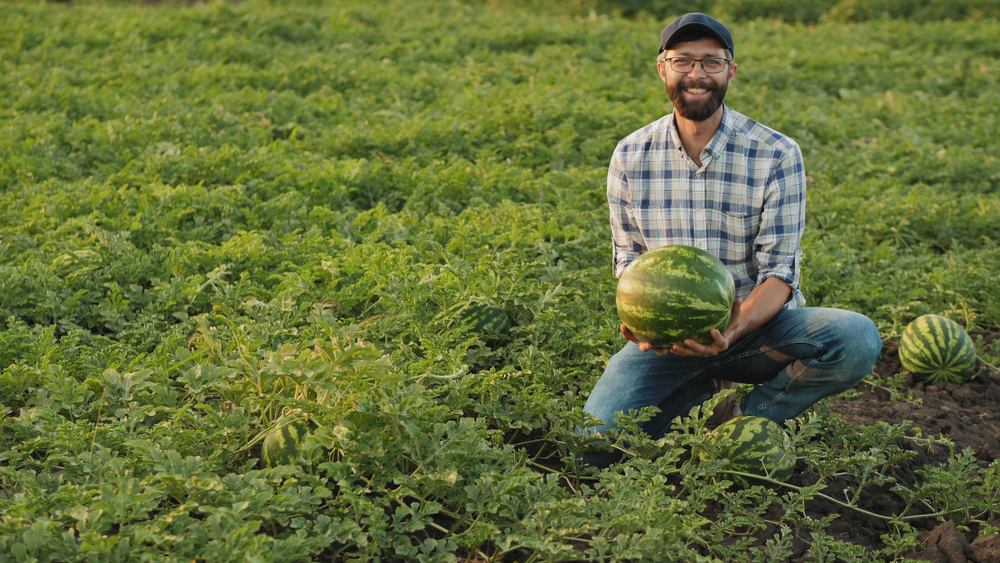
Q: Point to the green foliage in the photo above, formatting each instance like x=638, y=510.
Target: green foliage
x=214, y=214
x=787, y=10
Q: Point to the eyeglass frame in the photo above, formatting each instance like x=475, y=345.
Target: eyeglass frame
x=670, y=63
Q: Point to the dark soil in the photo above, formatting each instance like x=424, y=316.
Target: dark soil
x=968, y=414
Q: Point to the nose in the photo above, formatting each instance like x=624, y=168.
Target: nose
x=698, y=69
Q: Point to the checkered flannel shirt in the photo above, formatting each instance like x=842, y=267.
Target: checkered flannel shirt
x=745, y=204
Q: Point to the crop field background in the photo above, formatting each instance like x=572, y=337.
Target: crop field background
x=211, y=214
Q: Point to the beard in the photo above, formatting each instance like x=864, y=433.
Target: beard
x=700, y=110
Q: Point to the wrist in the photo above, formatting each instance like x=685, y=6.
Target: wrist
x=736, y=329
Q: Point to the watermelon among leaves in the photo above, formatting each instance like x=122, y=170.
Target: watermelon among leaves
x=936, y=349
x=282, y=440
x=752, y=444
x=485, y=317
x=674, y=293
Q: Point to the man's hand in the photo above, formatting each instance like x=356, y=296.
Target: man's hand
x=722, y=339
x=692, y=348
x=643, y=346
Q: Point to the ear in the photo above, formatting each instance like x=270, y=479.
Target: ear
x=662, y=68
x=732, y=70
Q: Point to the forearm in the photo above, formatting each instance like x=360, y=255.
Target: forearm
x=762, y=304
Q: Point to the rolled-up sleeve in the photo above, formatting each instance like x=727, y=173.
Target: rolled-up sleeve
x=626, y=237
x=776, y=247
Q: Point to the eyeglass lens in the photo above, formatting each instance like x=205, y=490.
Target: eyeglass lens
x=711, y=66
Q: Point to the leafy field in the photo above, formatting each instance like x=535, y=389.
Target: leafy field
x=213, y=214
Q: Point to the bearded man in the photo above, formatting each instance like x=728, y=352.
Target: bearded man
x=710, y=177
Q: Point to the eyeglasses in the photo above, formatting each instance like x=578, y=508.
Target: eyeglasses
x=684, y=64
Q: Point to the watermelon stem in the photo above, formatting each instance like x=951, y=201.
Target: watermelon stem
x=565, y=478
x=992, y=366
x=835, y=501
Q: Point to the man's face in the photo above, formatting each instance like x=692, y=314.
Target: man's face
x=696, y=94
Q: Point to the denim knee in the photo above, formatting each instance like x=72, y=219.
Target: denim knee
x=869, y=342
x=860, y=347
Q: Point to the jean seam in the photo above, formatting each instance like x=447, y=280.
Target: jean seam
x=761, y=407
x=749, y=353
x=793, y=379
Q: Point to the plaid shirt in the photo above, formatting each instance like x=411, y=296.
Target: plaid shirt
x=745, y=204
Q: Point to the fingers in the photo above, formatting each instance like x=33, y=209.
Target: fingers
x=690, y=347
x=646, y=347
x=627, y=334
x=693, y=348
x=643, y=346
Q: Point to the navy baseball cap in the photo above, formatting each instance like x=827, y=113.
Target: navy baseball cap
x=711, y=26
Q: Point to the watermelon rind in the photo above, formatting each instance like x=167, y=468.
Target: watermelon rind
x=486, y=317
x=282, y=440
x=674, y=293
x=936, y=349
x=752, y=444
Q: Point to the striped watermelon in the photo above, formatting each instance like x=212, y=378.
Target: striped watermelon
x=674, y=293
x=936, y=349
x=754, y=444
x=281, y=443
x=486, y=317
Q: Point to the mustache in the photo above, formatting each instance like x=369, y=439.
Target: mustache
x=707, y=85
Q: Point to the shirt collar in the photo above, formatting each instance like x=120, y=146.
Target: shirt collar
x=717, y=145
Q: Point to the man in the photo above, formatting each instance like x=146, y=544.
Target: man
x=710, y=177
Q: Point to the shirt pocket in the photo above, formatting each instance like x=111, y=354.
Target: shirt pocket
x=736, y=234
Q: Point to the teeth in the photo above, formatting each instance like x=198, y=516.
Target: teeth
x=697, y=90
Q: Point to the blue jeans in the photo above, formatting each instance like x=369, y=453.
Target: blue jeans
x=797, y=358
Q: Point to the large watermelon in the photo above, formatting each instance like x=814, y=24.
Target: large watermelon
x=674, y=293
x=281, y=443
x=754, y=446
x=937, y=349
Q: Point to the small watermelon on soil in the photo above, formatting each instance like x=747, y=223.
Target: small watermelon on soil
x=936, y=349
x=281, y=443
x=674, y=293
x=755, y=445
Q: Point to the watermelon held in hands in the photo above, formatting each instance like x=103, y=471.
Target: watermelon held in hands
x=752, y=444
x=282, y=440
x=674, y=293
x=936, y=349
